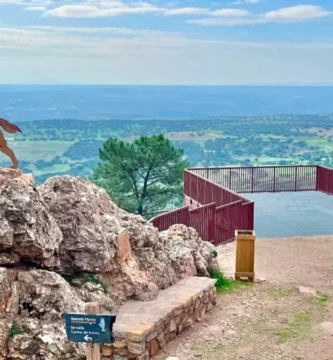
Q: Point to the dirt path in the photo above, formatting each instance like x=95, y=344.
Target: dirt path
x=301, y=260
x=270, y=320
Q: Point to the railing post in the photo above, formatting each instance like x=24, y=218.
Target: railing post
x=252, y=179
x=274, y=180
x=230, y=180
x=296, y=178
x=317, y=177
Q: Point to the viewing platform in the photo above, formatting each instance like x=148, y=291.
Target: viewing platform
x=215, y=198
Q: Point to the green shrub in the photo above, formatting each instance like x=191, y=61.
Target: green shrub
x=322, y=299
x=224, y=285
x=87, y=277
x=214, y=253
x=15, y=330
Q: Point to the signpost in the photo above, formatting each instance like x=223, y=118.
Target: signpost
x=90, y=328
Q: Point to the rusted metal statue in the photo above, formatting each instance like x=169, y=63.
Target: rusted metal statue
x=12, y=129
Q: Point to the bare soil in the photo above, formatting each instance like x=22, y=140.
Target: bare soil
x=270, y=320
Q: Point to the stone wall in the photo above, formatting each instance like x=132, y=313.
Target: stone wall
x=162, y=320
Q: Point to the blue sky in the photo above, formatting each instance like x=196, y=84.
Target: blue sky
x=166, y=41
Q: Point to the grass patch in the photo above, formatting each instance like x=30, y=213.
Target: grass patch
x=87, y=277
x=212, y=349
x=278, y=293
x=35, y=150
x=15, y=330
x=226, y=285
x=298, y=329
x=322, y=299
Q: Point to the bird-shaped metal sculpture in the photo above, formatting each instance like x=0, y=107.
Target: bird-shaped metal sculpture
x=12, y=129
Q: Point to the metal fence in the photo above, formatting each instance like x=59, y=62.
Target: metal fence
x=262, y=178
x=214, y=224
x=219, y=213
x=164, y=221
x=220, y=209
x=325, y=180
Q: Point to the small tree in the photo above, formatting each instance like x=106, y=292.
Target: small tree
x=142, y=177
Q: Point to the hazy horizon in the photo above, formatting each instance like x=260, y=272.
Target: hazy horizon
x=109, y=102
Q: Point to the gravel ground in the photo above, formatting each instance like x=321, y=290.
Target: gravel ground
x=299, y=260
x=271, y=320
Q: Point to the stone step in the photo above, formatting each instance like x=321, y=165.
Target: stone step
x=143, y=328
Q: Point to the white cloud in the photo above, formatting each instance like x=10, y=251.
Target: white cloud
x=297, y=13
x=27, y=3
x=129, y=55
x=291, y=14
x=230, y=13
x=73, y=40
x=187, y=11
x=95, y=9
x=204, y=11
x=89, y=11
x=226, y=21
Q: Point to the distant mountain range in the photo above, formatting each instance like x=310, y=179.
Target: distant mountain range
x=20, y=103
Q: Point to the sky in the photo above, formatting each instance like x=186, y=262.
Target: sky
x=180, y=42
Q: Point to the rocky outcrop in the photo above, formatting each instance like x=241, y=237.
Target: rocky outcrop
x=28, y=232
x=90, y=224
x=69, y=228
x=82, y=211
x=43, y=299
x=32, y=316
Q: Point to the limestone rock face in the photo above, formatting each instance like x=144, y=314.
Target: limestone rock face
x=90, y=224
x=82, y=211
x=189, y=255
x=15, y=174
x=43, y=297
x=28, y=233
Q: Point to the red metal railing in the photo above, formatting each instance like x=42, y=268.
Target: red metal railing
x=228, y=218
x=325, y=180
x=205, y=191
x=220, y=210
x=203, y=220
x=262, y=178
x=218, y=213
x=247, y=216
x=178, y=216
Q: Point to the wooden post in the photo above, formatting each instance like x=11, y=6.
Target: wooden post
x=245, y=248
x=93, y=351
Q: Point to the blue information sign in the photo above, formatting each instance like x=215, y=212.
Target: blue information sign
x=90, y=328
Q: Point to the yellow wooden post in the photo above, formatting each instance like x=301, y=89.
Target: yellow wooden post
x=245, y=249
x=93, y=351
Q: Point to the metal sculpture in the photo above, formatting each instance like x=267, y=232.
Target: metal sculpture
x=11, y=129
